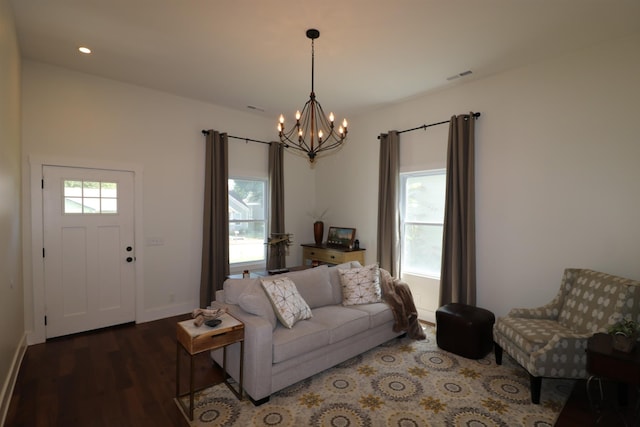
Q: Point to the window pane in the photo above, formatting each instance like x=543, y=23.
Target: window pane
x=91, y=189
x=422, y=249
x=73, y=205
x=72, y=188
x=109, y=189
x=91, y=205
x=246, y=199
x=424, y=198
x=247, y=223
x=246, y=241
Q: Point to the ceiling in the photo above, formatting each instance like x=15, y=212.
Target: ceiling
x=371, y=53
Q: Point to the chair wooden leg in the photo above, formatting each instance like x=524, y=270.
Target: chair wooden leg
x=536, y=384
x=498, y=352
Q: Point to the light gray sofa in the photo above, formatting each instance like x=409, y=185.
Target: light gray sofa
x=276, y=357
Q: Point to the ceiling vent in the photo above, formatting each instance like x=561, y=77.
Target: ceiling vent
x=462, y=74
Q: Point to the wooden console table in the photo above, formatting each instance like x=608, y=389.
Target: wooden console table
x=330, y=254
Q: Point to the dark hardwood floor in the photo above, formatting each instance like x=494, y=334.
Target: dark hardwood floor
x=125, y=376
x=120, y=376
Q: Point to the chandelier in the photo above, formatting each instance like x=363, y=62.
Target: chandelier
x=314, y=132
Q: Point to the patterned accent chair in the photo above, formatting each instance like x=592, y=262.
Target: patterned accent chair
x=550, y=341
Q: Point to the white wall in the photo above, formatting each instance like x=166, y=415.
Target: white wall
x=556, y=168
x=12, y=330
x=83, y=119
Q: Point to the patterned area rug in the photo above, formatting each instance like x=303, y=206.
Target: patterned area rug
x=400, y=383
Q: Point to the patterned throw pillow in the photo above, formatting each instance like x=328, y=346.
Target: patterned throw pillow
x=287, y=302
x=360, y=285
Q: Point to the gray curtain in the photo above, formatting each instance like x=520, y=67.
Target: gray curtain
x=458, y=276
x=215, y=234
x=388, y=244
x=276, y=253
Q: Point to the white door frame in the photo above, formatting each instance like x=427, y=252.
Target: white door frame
x=38, y=334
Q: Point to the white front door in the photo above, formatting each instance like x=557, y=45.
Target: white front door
x=89, y=252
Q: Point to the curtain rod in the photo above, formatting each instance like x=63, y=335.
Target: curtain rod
x=475, y=116
x=206, y=132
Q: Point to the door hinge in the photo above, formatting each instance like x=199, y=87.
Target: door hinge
x=42, y=252
x=42, y=183
x=45, y=320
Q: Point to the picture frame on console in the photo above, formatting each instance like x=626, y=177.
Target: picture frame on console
x=342, y=237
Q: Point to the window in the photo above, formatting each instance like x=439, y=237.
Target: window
x=90, y=197
x=422, y=221
x=247, y=221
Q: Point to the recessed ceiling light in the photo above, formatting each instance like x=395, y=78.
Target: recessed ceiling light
x=84, y=49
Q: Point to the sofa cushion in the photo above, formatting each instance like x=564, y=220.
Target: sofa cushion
x=287, y=303
x=233, y=288
x=341, y=322
x=254, y=300
x=360, y=285
x=334, y=278
x=594, y=303
x=312, y=284
x=379, y=313
x=305, y=337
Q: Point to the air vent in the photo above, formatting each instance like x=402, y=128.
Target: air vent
x=457, y=76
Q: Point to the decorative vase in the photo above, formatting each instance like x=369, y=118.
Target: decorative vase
x=318, y=231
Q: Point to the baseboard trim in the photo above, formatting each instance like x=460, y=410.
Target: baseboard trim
x=427, y=316
x=167, y=311
x=10, y=382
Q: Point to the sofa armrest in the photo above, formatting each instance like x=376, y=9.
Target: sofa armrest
x=563, y=356
x=258, y=352
x=549, y=311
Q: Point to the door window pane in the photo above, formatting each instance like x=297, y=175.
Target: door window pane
x=90, y=197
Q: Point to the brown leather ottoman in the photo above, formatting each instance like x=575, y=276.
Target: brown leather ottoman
x=465, y=330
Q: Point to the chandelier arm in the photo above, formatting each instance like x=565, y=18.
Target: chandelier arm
x=296, y=143
x=332, y=138
x=328, y=145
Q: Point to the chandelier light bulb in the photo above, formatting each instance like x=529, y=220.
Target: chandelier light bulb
x=298, y=115
x=331, y=117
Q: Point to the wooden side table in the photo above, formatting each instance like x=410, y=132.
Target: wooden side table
x=603, y=361
x=194, y=340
